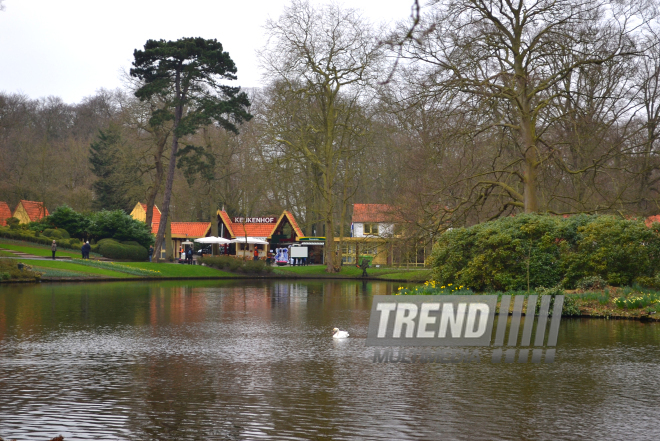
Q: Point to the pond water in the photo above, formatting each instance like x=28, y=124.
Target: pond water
x=249, y=360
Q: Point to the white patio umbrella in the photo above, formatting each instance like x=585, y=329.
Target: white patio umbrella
x=253, y=240
x=212, y=239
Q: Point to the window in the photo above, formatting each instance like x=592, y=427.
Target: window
x=371, y=229
x=370, y=249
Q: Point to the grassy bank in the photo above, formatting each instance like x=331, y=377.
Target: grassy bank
x=56, y=268
x=37, y=249
x=318, y=271
x=611, y=302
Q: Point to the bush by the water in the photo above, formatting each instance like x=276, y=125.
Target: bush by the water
x=534, y=250
x=113, y=249
x=9, y=271
x=233, y=264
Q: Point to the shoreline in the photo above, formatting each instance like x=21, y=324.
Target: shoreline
x=236, y=277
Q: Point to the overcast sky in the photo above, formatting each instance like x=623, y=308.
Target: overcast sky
x=72, y=48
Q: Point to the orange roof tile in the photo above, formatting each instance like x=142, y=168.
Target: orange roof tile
x=5, y=213
x=252, y=230
x=374, y=213
x=35, y=210
x=191, y=230
x=156, y=215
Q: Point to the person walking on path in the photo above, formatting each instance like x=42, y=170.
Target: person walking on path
x=82, y=250
x=151, y=252
x=256, y=253
x=53, y=247
x=189, y=256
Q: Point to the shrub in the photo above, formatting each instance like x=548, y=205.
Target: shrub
x=56, y=233
x=13, y=222
x=31, y=236
x=112, y=249
x=120, y=226
x=65, y=217
x=591, y=282
x=542, y=250
x=233, y=264
x=9, y=271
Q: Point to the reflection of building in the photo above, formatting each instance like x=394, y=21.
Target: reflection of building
x=181, y=231
x=30, y=211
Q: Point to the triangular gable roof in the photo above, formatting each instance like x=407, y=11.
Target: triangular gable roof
x=5, y=212
x=292, y=221
x=228, y=223
x=156, y=214
x=34, y=210
x=140, y=213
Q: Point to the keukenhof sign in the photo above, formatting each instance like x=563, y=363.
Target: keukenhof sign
x=454, y=325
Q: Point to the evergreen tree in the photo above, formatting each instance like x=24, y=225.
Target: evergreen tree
x=109, y=189
x=189, y=75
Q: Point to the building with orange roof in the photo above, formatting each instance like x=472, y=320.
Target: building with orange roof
x=279, y=232
x=140, y=213
x=181, y=231
x=5, y=213
x=30, y=211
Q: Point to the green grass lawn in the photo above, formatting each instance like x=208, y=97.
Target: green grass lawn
x=6, y=254
x=179, y=270
x=36, y=249
x=352, y=271
x=83, y=271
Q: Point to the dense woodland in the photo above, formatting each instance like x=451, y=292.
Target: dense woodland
x=468, y=112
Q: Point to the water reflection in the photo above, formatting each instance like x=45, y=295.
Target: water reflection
x=237, y=360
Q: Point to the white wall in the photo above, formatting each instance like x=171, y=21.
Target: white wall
x=384, y=229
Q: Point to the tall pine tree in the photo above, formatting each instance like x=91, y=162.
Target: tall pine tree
x=104, y=156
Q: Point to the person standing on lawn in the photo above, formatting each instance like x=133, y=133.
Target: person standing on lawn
x=86, y=249
x=53, y=248
x=151, y=252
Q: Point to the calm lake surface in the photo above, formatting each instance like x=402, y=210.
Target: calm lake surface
x=251, y=360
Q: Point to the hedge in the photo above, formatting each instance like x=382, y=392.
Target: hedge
x=29, y=236
x=545, y=251
x=233, y=264
x=56, y=233
x=113, y=249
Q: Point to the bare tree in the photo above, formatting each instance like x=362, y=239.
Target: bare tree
x=509, y=56
x=329, y=56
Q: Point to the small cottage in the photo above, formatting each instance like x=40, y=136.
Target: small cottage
x=30, y=211
x=5, y=213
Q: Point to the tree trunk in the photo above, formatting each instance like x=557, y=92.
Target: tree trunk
x=165, y=210
x=214, y=222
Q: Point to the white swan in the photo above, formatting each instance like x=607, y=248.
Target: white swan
x=336, y=333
